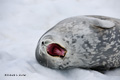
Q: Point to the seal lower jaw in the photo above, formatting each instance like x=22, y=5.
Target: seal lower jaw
x=43, y=60
x=56, y=50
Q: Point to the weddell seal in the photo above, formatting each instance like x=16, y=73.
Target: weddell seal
x=90, y=42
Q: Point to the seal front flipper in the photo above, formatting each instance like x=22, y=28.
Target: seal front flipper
x=101, y=69
x=101, y=23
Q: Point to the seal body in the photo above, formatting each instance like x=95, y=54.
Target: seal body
x=91, y=42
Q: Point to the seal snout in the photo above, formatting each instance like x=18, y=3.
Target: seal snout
x=56, y=50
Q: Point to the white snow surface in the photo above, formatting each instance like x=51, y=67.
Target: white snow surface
x=22, y=23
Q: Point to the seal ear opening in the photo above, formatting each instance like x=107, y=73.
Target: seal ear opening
x=101, y=23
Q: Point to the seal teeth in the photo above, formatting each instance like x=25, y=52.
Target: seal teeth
x=55, y=49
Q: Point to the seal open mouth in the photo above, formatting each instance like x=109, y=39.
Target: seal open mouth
x=55, y=49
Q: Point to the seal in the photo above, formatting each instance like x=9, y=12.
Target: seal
x=90, y=42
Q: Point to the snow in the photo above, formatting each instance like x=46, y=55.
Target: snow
x=22, y=23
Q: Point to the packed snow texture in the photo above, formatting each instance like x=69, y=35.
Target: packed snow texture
x=22, y=22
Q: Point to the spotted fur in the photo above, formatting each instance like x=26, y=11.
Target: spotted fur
x=92, y=42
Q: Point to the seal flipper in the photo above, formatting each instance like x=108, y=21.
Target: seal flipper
x=101, y=69
x=101, y=23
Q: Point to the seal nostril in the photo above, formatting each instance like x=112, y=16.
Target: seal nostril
x=43, y=43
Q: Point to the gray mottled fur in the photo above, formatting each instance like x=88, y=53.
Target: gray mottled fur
x=90, y=43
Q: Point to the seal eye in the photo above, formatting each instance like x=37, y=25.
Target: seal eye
x=56, y=50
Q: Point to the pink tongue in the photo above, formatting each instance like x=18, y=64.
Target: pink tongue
x=55, y=50
x=59, y=52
